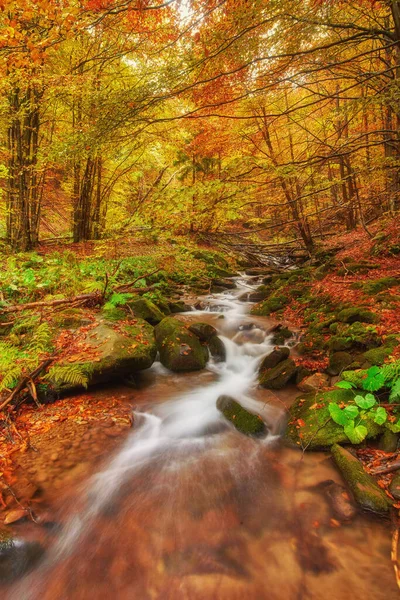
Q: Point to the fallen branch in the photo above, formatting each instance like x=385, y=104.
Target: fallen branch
x=122, y=286
x=27, y=379
x=81, y=298
x=388, y=468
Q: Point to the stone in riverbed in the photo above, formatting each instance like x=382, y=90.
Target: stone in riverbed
x=17, y=556
x=313, y=382
x=204, y=331
x=180, y=350
x=243, y=420
x=147, y=310
x=339, y=500
x=277, y=377
x=227, y=284
x=367, y=493
x=274, y=358
x=217, y=349
x=338, y=361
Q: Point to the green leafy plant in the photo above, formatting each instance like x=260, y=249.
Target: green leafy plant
x=61, y=375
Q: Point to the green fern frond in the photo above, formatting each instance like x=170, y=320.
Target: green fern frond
x=10, y=377
x=41, y=341
x=391, y=372
x=68, y=375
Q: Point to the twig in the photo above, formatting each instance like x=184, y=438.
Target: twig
x=122, y=286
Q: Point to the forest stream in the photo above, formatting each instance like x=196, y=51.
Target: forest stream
x=189, y=508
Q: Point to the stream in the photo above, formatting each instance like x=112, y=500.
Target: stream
x=189, y=508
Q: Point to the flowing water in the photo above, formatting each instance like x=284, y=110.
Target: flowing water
x=191, y=509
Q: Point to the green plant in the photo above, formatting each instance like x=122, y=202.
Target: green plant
x=68, y=374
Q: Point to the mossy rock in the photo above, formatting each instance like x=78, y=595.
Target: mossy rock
x=280, y=336
x=243, y=420
x=114, y=314
x=310, y=425
x=277, y=377
x=361, y=268
x=377, y=356
x=272, y=304
x=70, y=318
x=274, y=358
x=368, y=495
x=225, y=283
x=389, y=441
x=353, y=314
x=118, y=353
x=180, y=349
x=204, y=331
x=379, y=285
x=163, y=305
x=147, y=310
x=338, y=361
x=217, y=349
x=177, y=307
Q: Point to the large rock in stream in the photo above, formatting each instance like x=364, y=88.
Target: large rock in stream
x=310, y=425
x=242, y=419
x=113, y=350
x=277, y=377
x=179, y=348
x=17, y=556
x=367, y=493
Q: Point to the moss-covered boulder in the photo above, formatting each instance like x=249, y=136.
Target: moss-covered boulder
x=277, y=377
x=147, y=310
x=394, y=487
x=274, y=358
x=375, y=286
x=112, y=351
x=338, y=361
x=217, y=349
x=243, y=420
x=377, y=356
x=310, y=424
x=272, y=304
x=368, y=495
x=353, y=314
x=280, y=335
x=224, y=283
x=179, y=348
x=204, y=331
x=389, y=441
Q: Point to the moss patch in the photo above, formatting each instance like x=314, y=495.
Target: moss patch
x=243, y=420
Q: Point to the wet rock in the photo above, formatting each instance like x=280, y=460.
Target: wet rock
x=310, y=424
x=261, y=271
x=17, y=556
x=389, y=441
x=179, y=348
x=339, y=500
x=179, y=306
x=274, y=303
x=277, y=377
x=243, y=420
x=274, y=358
x=367, y=493
x=252, y=336
x=280, y=335
x=394, y=487
x=147, y=310
x=217, y=349
x=338, y=361
x=227, y=284
x=313, y=382
x=119, y=352
x=204, y=331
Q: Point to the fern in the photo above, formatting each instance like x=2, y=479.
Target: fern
x=9, y=354
x=11, y=377
x=41, y=341
x=68, y=375
x=391, y=372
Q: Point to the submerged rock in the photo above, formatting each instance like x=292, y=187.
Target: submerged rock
x=310, y=423
x=277, y=377
x=179, y=348
x=243, y=420
x=339, y=500
x=17, y=556
x=365, y=490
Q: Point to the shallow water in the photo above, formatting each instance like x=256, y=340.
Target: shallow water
x=189, y=508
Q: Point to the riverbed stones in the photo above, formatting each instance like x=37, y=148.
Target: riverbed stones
x=17, y=556
x=224, y=283
x=116, y=350
x=314, y=382
x=389, y=441
x=339, y=499
x=242, y=419
x=338, y=361
x=180, y=349
x=354, y=314
x=217, y=349
x=368, y=495
x=277, y=377
x=274, y=358
x=204, y=331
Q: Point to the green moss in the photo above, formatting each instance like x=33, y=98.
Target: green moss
x=362, y=267
x=114, y=314
x=377, y=356
x=379, y=285
x=147, y=310
x=365, y=490
x=204, y=331
x=243, y=420
x=272, y=304
x=217, y=348
x=338, y=361
x=281, y=335
x=353, y=314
